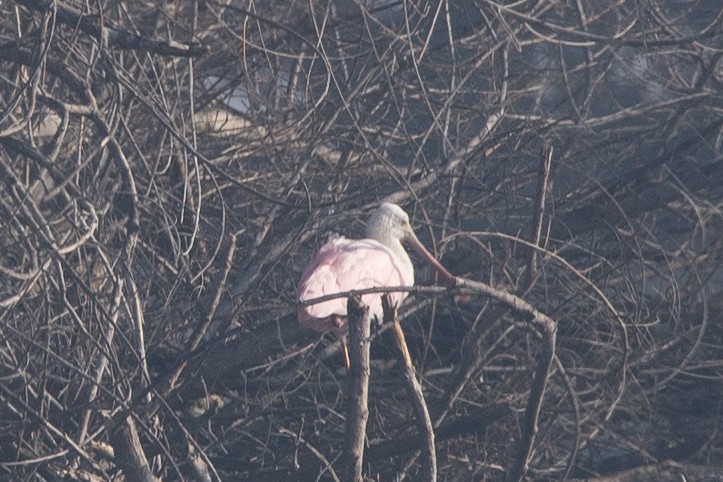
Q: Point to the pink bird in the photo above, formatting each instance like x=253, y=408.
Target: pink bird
x=346, y=264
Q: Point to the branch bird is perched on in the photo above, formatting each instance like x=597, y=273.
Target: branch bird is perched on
x=378, y=261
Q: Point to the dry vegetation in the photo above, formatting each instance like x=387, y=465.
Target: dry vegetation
x=168, y=168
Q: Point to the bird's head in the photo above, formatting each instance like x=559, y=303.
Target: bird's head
x=389, y=223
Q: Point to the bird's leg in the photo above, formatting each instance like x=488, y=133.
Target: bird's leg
x=345, y=349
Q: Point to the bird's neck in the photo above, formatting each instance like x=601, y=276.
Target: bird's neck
x=398, y=249
x=383, y=233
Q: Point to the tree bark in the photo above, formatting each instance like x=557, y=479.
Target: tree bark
x=358, y=392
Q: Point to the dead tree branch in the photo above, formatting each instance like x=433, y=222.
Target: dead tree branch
x=358, y=388
x=414, y=392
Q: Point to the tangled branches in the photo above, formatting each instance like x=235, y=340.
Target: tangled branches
x=166, y=172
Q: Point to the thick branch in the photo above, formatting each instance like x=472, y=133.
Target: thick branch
x=123, y=436
x=358, y=393
x=548, y=328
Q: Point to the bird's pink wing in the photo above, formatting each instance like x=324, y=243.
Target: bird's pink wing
x=344, y=265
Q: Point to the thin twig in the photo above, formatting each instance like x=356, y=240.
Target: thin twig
x=543, y=181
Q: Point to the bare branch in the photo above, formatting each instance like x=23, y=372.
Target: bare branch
x=358, y=388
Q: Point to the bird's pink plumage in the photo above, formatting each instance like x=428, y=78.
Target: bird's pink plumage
x=344, y=265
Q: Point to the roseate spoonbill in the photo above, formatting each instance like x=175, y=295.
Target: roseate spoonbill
x=347, y=264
